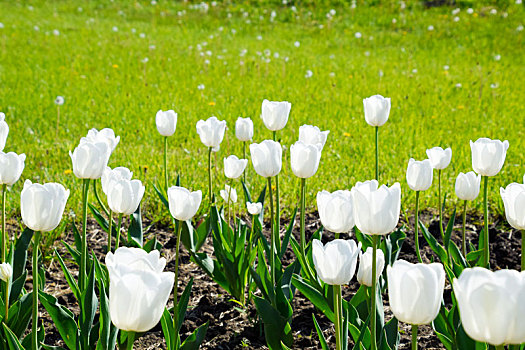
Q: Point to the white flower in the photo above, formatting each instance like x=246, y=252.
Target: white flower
x=275, y=114
x=234, y=167
x=6, y=271
x=229, y=194
x=312, y=135
x=336, y=261
x=254, y=208
x=105, y=135
x=211, y=132
x=439, y=157
x=4, y=131
x=166, y=122
x=59, y=100
x=364, y=273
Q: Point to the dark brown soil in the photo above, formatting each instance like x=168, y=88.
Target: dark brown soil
x=234, y=328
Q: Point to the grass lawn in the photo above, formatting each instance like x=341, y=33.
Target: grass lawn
x=117, y=63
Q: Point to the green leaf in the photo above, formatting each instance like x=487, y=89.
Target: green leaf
x=75, y=254
x=20, y=255
x=322, y=339
x=69, y=278
x=315, y=296
x=183, y=304
x=434, y=245
x=391, y=333
x=135, y=233
x=288, y=233
x=450, y=228
x=89, y=304
x=16, y=288
x=276, y=328
x=162, y=198
x=62, y=318
x=167, y=329
x=107, y=331
x=12, y=339
x=20, y=314
x=101, y=220
x=194, y=341
x=365, y=240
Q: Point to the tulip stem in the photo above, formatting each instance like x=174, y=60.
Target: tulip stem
x=522, y=250
x=130, y=341
x=166, y=163
x=440, y=207
x=414, y=337
x=486, y=253
x=373, y=296
x=95, y=191
x=83, y=253
x=272, y=229
x=416, y=227
x=176, y=284
x=244, y=157
x=277, y=206
x=4, y=232
x=229, y=204
x=377, y=153
x=209, y=176
x=109, y=231
x=6, y=299
x=303, y=205
x=34, y=321
x=338, y=317
x=463, y=239
x=119, y=225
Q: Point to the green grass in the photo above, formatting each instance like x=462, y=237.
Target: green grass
x=105, y=84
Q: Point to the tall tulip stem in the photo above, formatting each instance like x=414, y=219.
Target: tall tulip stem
x=500, y=347
x=416, y=229
x=4, y=232
x=338, y=308
x=130, y=341
x=176, y=284
x=463, y=228
x=166, y=164
x=414, y=337
x=377, y=153
x=373, y=296
x=209, y=176
x=109, y=231
x=272, y=230
x=277, y=205
x=303, y=218
x=230, y=204
x=244, y=157
x=34, y=321
x=522, y=250
x=95, y=192
x=440, y=207
x=486, y=253
x=83, y=253
x=119, y=225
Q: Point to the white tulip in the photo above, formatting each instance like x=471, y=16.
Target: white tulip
x=419, y=174
x=211, y=132
x=312, y=135
x=364, y=273
x=244, y=129
x=106, y=135
x=439, y=157
x=111, y=176
x=6, y=271
x=267, y=158
x=90, y=159
x=183, y=203
x=11, y=167
x=467, y=186
x=336, y=261
x=254, y=208
x=4, y=131
x=229, y=194
x=166, y=122
x=377, y=110
x=488, y=156
x=305, y=159
x=124, y=196
x=336, y=210
x=275, y=114
x=514, y=201
x=234, y=167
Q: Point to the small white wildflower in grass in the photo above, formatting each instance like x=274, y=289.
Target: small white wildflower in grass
x=414, y=71
x=332, y=74
x=208, y=52
x=456, y=19
x=36, y=28
x=234, y=31
x=394, y=21
x=152, y=47
x=80, y=9
x=332, y=12
x=332, y=56
x=493, y=11
x=358, y=35
x=276, y=55
x=133, y=30
x=207, y=62
x=259, y=37
x=518, y=2
x=142, y=35
x=470, y=10
x=456, y=11
x=200, y=87
x=59, y=100
x=56, y=32
x=293, y=8
x=520, y=28
x=367, y=53
x=446, y=67
x=297, y=44
x=115, y=29
x=145, y=60
x=153, y=2
x=497, y=57
x=458, y=85
x=430, y=28
x=381, y=73
x=286, y=59
x=494, y=85
x=308, y=74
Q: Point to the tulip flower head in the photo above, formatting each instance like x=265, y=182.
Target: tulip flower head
x=467, y=186
x=377, y=110
x=336, y=261
x=376, y=209
x=312, y=135
x=305, y=159
x=166, y=122
x=419, y=174
x=488, y=156
x=234, y=167
x=254, y=208
x=211, y=132
x=275, y=114
x=183, y=204
x=124, y=196
x=11, y=167
x=491, y=305
x=364, y=273
x=336, y=210
x=415, y=291
x=90, y=159
x=6, y=271
x=111, y=176
x=229, y=194
x=439, y=157
x=42, y=206
x=267, y=158
x=138, y=288
x=4, y=131
x=244, y=129
x=106, y=135
x=514, y=200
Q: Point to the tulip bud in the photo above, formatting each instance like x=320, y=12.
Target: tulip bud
x=377, y=109
x=467, y=186
x=166, y=122
x=415, y=291
x=234, y=167
x=90, y=159
x=244, y=129
x=419, y=174
x=4, y=131
x=312, y=135
x=254, y=208
x=364, y=273
x=42, y=206
x=267, y=158
x=514, y=200
x=183, y=203
x=335, y=262
x=229, y=194
x=439, y=157
x=488, y=156
x=376, y=210
x=138, y=288
x=491, y=305
x=111, y=176
x=211, y=132
x=6, y=271
x=125, y=196
x=106, y=135
x=336, y=210
x=11, y=167
x=305, y=159
x=275, y=114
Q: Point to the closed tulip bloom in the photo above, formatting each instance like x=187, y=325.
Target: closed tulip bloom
x=336, y=210
x=376, y=210
x=364, y=273
x=138, y=288
x=4, y=131
x=11, y=167
x=229, y=194
x=415, y=291
x=234, y=167
x=439, y=157
x=124, y=196
x=305, y=159
x=491, y=305
x=336, y=261
x=90, y=159
x=183, y=203
x=267, y=157
x=275, y=114
x=244, y=129
x=488, y=156
x=42, y=206
x=467, y=186
x=254, y=208
x=166, y=122
x=111, y=176
x=6, y=271
x=514, y=200
x=211, y=132
x=106, y=135
x=377, y=110
x=312, y=135
x=419, y=174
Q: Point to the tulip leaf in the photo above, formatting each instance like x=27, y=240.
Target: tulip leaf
x=392, y=244
x=20, y=314
x=276, y=327
x=12, y=339
x=107, y=334
x=20, y=254
x=167, y=329
x=152, y=244
x=390, y=336
x=16, y=288
x=88, y=305
x=75, y=254
x=286, y=281
x=194, y=341
x=442, y=330
x=62, y=318
x=288, y=233
x=101, y=220
x=346, y=317
x=322, y=339
x=434, y=245
x=69, y=278
x=182, y=304
x=365, y=240
x=135, y=233
x=474, y=256
x=193, y=238
x=456, y=255
x=315, y=296
x=448, y=231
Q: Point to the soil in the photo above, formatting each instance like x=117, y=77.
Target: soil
x=231, y=327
